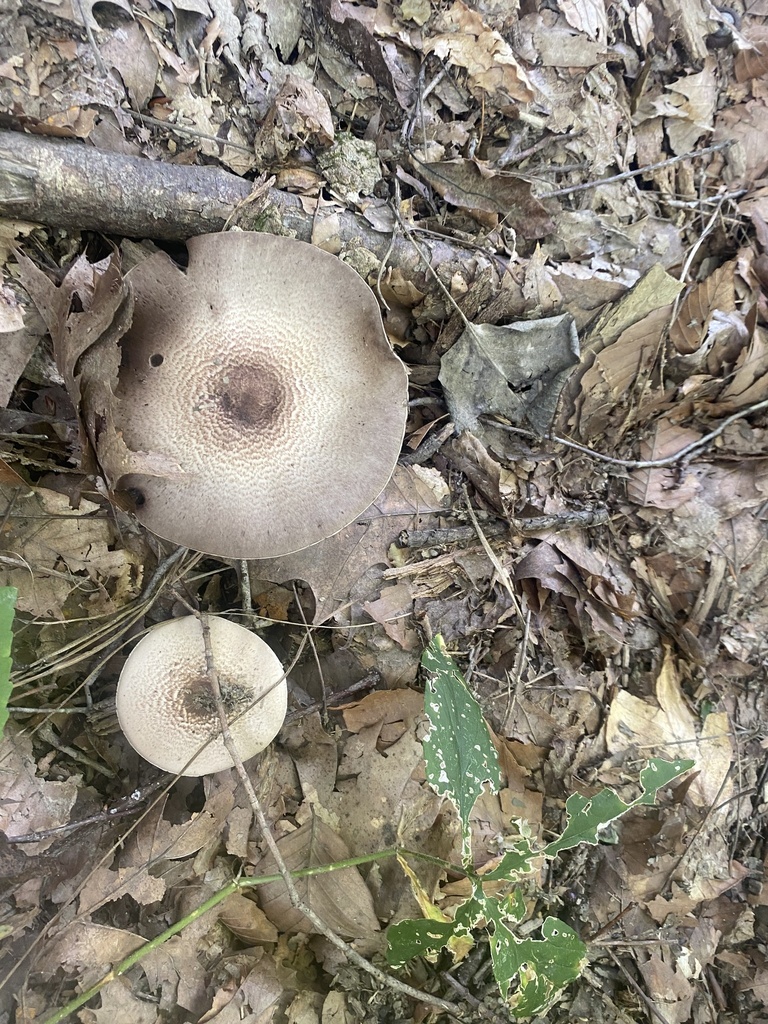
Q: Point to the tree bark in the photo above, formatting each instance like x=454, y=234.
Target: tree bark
x=72, y=185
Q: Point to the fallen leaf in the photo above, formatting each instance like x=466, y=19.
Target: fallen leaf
x=670, y=725
x=340, y=898
x=129, y=51
x=462, y=38
x=586, y=16
x=334, y=565
x=716, y=292
x=475, y=185
x=29, y=803
x=516, y=371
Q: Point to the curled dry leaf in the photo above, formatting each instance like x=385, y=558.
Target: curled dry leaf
x=463, y=39
x=515, y=371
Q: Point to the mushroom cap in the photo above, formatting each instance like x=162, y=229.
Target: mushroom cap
x=165, y=705
x=264, y=373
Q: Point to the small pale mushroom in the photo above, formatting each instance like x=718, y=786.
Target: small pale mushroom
x=262, y=372
x=166, y=707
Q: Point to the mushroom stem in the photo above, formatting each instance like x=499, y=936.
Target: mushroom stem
x=246, y=598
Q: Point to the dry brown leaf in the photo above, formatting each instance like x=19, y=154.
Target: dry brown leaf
x=670, y=728
x=370, y=35
x=245, y=919
x=86, y=945
x=695, y=99
x=668, y=987
x=461, y=37
x=746, y=126
x=16, y=348
x=29, y=803
x=752, y=63
x=334, y=565
x=546, y=39
x=475, y=185
x=612, y=376
x=129, y=51
x=120, y=1002
x=340, y=898
x=586, y=16
x=53, y=550
x=748, y=382
x=80, y=12
x=664, y=487
x=284, y=22
x=393, y=610
x=691, y=23
x=383, y=706
x=689, y=330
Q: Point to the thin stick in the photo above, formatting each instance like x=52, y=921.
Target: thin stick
x=641, y=170
x=669, y=460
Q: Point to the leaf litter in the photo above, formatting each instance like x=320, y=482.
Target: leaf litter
x=640, y=635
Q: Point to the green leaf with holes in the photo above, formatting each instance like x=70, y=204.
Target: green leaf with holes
x=408, y=939
x=460, y=757
x=589, y=817
x=531, y=973
x=8, y=597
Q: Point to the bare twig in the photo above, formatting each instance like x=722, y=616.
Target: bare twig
x=429, y=447
x=668, y=460
x=640, y=170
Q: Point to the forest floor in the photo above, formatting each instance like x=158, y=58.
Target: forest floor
x=579, y=512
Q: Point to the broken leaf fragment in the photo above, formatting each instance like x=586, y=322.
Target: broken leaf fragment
x=516, y=371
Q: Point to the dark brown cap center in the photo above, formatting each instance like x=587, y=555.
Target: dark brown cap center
x=249, y=397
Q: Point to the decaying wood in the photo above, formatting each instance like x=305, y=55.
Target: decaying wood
x=69, y=184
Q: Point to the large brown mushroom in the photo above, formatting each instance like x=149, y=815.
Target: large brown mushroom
x=166, y=707
x=263, y=373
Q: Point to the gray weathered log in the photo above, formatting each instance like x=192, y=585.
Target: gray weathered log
x=70, y=184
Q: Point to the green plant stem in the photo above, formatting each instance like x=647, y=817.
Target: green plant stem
x=235, y=886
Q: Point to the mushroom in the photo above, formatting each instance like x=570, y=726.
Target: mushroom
x=166, y=707
x=263, y=374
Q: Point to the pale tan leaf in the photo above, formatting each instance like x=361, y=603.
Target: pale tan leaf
x=586, y=16
x=28, y=803
x=664, y=487
x=462, y=38
x=670, y=724
x=716, y=292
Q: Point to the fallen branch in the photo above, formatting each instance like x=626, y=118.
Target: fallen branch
x=67, y=184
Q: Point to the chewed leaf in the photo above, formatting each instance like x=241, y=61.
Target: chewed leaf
x=543, y=967
x=460, y=757
x=589, y=816
x=417, y=938
x=8, y=597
